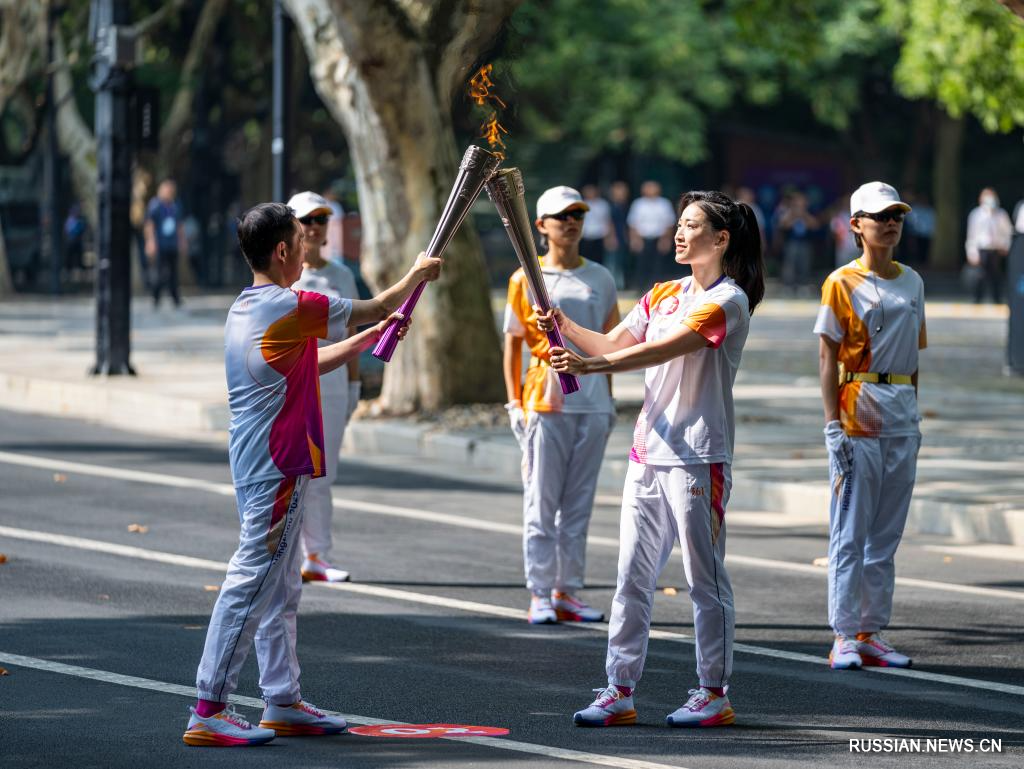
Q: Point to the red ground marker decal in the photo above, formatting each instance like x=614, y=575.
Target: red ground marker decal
x=428, y=731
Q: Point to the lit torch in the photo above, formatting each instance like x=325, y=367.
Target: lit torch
x=506, y=190
x=477, y=166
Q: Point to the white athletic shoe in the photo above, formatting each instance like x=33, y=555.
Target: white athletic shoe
x=302, y=718
x=224, y=729
x=569, y=608
x=875, y=651
x=845, y=654
x=611, y=708
x=704, y=708
x=541, y=611
x=315, y=569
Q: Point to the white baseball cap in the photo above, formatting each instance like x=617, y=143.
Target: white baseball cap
x=873, y=197
x=309, y=203
x=559, y=199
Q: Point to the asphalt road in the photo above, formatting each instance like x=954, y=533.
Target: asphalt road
x=101, y=627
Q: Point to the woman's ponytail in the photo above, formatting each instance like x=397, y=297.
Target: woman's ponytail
x=744, y=260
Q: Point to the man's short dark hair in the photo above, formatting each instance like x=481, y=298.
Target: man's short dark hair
x=261, y=228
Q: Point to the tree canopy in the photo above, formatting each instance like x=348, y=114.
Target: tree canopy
x=966, y=54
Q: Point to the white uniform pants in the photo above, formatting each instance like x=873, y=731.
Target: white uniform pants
x=316, y=518
x=661, y=506
x=562, y=456
x=260, y=597
x=866, y=521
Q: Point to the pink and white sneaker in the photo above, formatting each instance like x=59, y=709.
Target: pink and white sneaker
x=611, y=708
x=569, y=608
x=315, y=569
x=845, y=654
x=301, y=719
x=875, y=651
x=224, y=729
x=704, y=708
x=541, y=611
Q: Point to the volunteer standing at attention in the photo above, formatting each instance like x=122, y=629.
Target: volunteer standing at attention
x=871, y=326
x=562, y=437
x=339, y=390
x=688, y=334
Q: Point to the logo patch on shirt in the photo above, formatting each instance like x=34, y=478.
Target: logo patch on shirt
x=668, y=305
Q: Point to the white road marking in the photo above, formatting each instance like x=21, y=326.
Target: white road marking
x=996, y=552
x=375, y=508
x=163, y=687
x=478, y=608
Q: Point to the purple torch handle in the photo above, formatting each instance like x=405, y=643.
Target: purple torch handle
x=569, y=383
x=388, y=341
x=476, y=168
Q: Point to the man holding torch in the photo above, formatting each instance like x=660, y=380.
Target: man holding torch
x=562, y=437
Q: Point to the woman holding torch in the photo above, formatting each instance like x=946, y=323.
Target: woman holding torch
x=688, y=335
x=562, y=437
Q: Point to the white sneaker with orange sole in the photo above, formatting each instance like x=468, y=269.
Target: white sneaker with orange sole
x=875, y=651
x=704, y=708
x=569, y=608
x=315, y=569
x=611, y=708
x=301, y=719
x=224, y=729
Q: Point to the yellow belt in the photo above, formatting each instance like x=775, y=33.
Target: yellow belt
x=878, y=378
x=535, y=361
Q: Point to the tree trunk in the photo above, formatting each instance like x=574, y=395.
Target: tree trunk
x=947, y=245
x=388, y=78
x=74, y=136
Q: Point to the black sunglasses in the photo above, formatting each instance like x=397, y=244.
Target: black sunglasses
x=320, y=219
x=576, y=215
x=892, y=215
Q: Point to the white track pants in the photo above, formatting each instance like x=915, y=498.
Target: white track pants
x=866, y=521
x=319, y=507
x=662, y=506
x=260, y=597
x=562, y=456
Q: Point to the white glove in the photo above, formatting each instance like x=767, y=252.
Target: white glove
x=517, y=419
x=355, y=387
x=840, y=448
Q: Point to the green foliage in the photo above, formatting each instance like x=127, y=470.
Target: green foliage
x=638, y=72
x=966, y=54
x=650, y=75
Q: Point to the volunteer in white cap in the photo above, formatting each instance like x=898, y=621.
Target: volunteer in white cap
x=562, y=437
x=339, y=390
x=871, y=326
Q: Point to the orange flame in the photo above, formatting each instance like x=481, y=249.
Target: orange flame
x=492, y=131
x=480, y=92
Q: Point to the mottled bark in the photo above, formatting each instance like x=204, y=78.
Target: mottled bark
x=388, y=72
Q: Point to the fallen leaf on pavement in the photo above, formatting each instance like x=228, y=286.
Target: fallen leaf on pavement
x=3, y=672
x=947, y=559
x=137, y=528
x=3, y=558
x=823, y=561
x=211, y=588
x=670, y=591
x=59, y=478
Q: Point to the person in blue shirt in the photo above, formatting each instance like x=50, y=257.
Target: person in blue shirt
x=165, y=241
